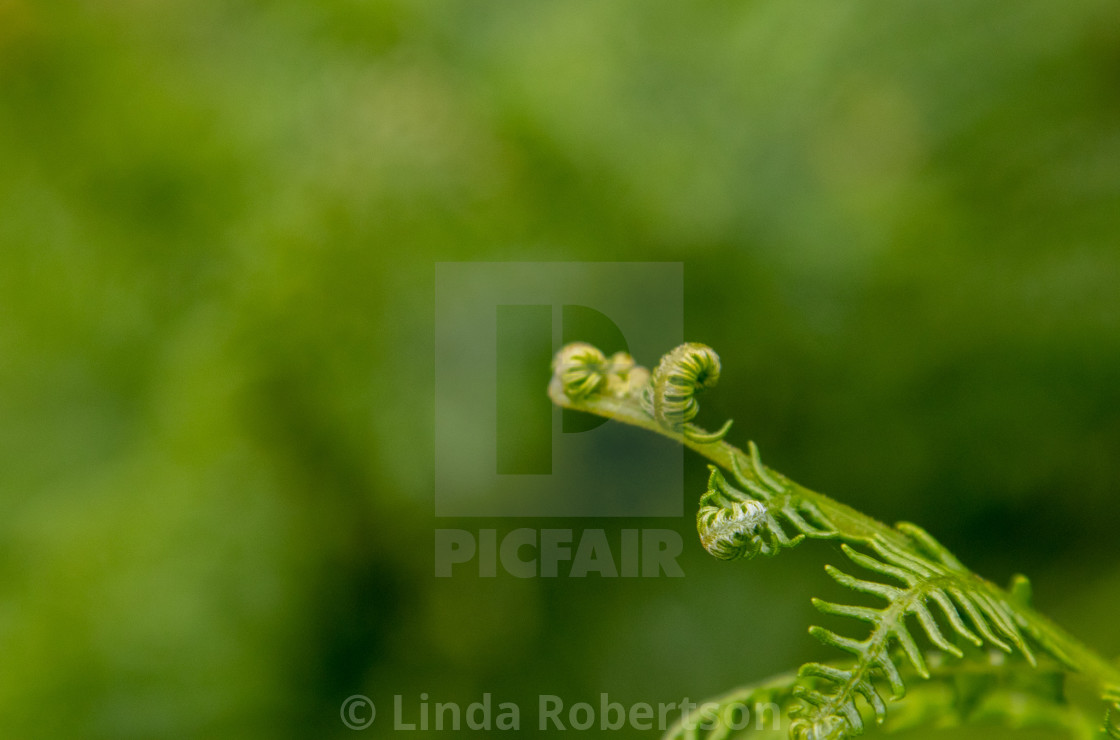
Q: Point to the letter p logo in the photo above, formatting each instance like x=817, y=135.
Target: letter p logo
x=502, y=449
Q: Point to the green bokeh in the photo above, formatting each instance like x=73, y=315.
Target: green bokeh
x=218, y=229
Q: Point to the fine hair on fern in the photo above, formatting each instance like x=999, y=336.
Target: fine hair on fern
x=958, y=647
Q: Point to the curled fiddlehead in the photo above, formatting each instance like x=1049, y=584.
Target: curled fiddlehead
x=733, y=524
x=911, y=572
x=584, y=371
x=670, y=397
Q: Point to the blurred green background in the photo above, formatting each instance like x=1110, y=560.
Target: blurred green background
x=218, y=227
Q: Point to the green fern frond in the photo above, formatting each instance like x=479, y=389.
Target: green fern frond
x=982, y=689
x=912, y=573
